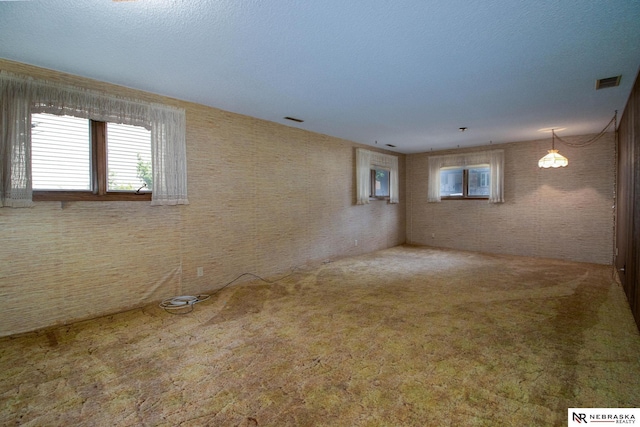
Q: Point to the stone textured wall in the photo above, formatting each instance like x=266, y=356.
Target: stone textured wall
x=564, y=213
x=264, y=198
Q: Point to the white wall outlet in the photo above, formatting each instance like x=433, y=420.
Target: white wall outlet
x=200, y=271
x=356, y=242
x=433, y=235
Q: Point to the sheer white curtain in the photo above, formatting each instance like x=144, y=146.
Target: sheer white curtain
x=433, y=190
x=22, y=96
x=363, y=180
x=496, y=170
x=394, y=197
x=15, y=144
x=494, y=158
x=365, y=160
x=168, y=157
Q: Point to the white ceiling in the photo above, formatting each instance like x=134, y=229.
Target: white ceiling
x=407, y=73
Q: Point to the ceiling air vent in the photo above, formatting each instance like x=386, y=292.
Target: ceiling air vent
x=293, y=119
x=608, y=82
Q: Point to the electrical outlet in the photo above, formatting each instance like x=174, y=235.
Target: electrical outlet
x=200, y=271
x=356, y=242
x=433, y=235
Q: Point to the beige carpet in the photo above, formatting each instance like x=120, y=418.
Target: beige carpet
x=402, y=337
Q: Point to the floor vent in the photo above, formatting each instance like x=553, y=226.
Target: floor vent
x=608, y=82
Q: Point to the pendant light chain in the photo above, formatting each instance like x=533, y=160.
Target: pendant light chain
x=613, y=121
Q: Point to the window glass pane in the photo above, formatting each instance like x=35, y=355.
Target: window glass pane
x=128, y=158
x=381, y=183
x=451, y=182
x=478, y=181
x=60, y=153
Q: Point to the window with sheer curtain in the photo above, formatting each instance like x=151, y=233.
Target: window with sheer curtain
x=20, y=97
x=493, y=158
x=80, y=159
x=366, y=160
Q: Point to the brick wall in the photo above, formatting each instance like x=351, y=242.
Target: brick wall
x=563, y=213
x=264, y=198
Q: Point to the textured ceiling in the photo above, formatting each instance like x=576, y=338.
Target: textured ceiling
x=407, y=73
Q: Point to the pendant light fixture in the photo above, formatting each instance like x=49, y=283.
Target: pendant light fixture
x=553, y=159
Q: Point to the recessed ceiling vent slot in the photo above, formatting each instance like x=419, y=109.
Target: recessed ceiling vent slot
x=293, y=119
x=608, y=82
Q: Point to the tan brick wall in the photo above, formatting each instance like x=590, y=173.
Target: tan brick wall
x=264, y=198
x=563, y=213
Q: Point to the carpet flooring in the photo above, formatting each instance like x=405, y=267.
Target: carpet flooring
x=408, y=336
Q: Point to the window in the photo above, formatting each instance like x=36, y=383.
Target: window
x=380, y=183
x=24, y=96
x=128, y=158
x=80, y=159
x=376, y=177
x=60, y=153
x=465, y=182
x=478, y=175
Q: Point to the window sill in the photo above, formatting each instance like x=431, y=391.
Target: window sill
x=85, y=196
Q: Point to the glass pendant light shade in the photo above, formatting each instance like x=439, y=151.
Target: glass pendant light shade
x=553, y=160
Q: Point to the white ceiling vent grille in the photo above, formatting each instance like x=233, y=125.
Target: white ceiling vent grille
x=608, y=82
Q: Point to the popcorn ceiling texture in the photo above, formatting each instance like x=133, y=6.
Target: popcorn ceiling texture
x=563, y=213
x=264, y=198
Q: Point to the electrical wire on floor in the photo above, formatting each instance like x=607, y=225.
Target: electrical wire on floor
x=184, y=304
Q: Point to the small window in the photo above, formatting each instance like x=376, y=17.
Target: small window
x=128, y=158
x=80, y=159
x=465, y=183
x=60, y=153
x=380, y=183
